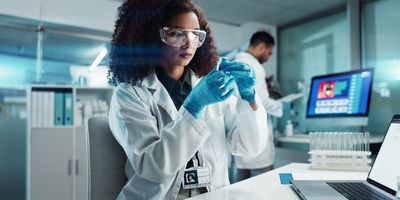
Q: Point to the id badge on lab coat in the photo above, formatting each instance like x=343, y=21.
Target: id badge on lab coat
x=196, y=177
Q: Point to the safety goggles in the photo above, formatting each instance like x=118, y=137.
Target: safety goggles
x=178, y=37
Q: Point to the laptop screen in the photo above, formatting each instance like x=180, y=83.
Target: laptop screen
x=387, y=164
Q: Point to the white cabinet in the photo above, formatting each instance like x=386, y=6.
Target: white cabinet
x=51, y=163
x=81, y=164
x=57, y=155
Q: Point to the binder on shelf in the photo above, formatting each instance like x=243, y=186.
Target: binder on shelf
x=59, y=109
x=34, y=109
x=68, y=109
x=40, y=109
x=46, y=116
x=51, y=112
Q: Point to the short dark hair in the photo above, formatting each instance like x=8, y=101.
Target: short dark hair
x=136, y=45
x=262, y=37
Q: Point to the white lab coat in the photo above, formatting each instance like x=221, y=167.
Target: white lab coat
x=159, y=140
x=272, y=107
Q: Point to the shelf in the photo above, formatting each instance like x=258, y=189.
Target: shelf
x=50, y=86
x=52, y=127
x=14, y=100
x=93, y=88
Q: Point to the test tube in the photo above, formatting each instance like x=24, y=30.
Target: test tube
x=357, y=146
x=353, y=141
x=345, y=141
x=311, y=140
x=360, y=141
x=350, y=141
x=321, y=141
x=332, y=140
x=320, y=146
x=341, y=141
x=366, y=137
x=361, y=138
x=314, y=141
x=326, y=141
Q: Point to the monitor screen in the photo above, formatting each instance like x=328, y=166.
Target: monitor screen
x=386, y=168
x=341, y=94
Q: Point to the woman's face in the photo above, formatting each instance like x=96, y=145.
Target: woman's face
x=181, y=56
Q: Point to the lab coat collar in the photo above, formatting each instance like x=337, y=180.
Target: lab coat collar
x=193, y=78
x=151, y=81
x=247, y=55
x=160, y=94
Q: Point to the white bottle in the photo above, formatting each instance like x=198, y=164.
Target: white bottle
x=289, y=128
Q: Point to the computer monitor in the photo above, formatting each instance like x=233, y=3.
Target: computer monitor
x=343, y=96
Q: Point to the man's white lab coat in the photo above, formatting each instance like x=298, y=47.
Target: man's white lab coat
x=272, y=107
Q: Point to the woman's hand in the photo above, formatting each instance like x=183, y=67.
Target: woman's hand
x=244, y=77
x=216, y=86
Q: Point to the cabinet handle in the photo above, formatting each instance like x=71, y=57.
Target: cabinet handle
x=69, y=167
x=76, y=167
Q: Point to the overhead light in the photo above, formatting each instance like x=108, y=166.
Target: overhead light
x=98, y=59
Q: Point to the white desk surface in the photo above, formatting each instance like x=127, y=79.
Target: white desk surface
x=303, y=138
x=268, y=186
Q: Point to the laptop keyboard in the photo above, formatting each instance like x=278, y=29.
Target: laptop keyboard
x=357, y=191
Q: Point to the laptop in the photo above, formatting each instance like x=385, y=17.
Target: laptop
x=380, y=184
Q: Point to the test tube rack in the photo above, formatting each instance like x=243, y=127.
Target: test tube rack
x=340, y=160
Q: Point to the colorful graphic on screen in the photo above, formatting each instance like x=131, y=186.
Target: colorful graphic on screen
x=340, y=94
x=332, y=89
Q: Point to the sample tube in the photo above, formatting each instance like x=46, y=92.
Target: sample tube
x=311, y=140
x=366, y=137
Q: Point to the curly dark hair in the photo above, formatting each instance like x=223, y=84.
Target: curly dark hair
x=136, y=45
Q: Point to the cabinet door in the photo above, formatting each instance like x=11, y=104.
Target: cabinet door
x=81, y=165
x=51, y=163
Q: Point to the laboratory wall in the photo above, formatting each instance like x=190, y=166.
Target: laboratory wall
x=313, y=48
x=99, y=15
x=321, y=46
x=13, y=158
x=381, y=50
x=17, y=70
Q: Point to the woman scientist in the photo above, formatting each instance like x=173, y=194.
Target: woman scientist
x=175, y=127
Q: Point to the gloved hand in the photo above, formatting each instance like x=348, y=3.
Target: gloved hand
x=244, y=77
x=216, y=86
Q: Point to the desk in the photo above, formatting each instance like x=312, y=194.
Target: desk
x=267, y=185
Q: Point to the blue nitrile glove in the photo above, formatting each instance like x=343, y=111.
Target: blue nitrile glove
x=216, y=86
x=244, y=77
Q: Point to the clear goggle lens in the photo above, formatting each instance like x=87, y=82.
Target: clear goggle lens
x=178, y=37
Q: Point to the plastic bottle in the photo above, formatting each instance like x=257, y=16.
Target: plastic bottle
x=289, y=128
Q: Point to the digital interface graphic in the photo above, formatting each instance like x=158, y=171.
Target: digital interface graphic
x=340, y=94
x=331, y=89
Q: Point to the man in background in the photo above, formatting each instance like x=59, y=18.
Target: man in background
x=259, y=51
